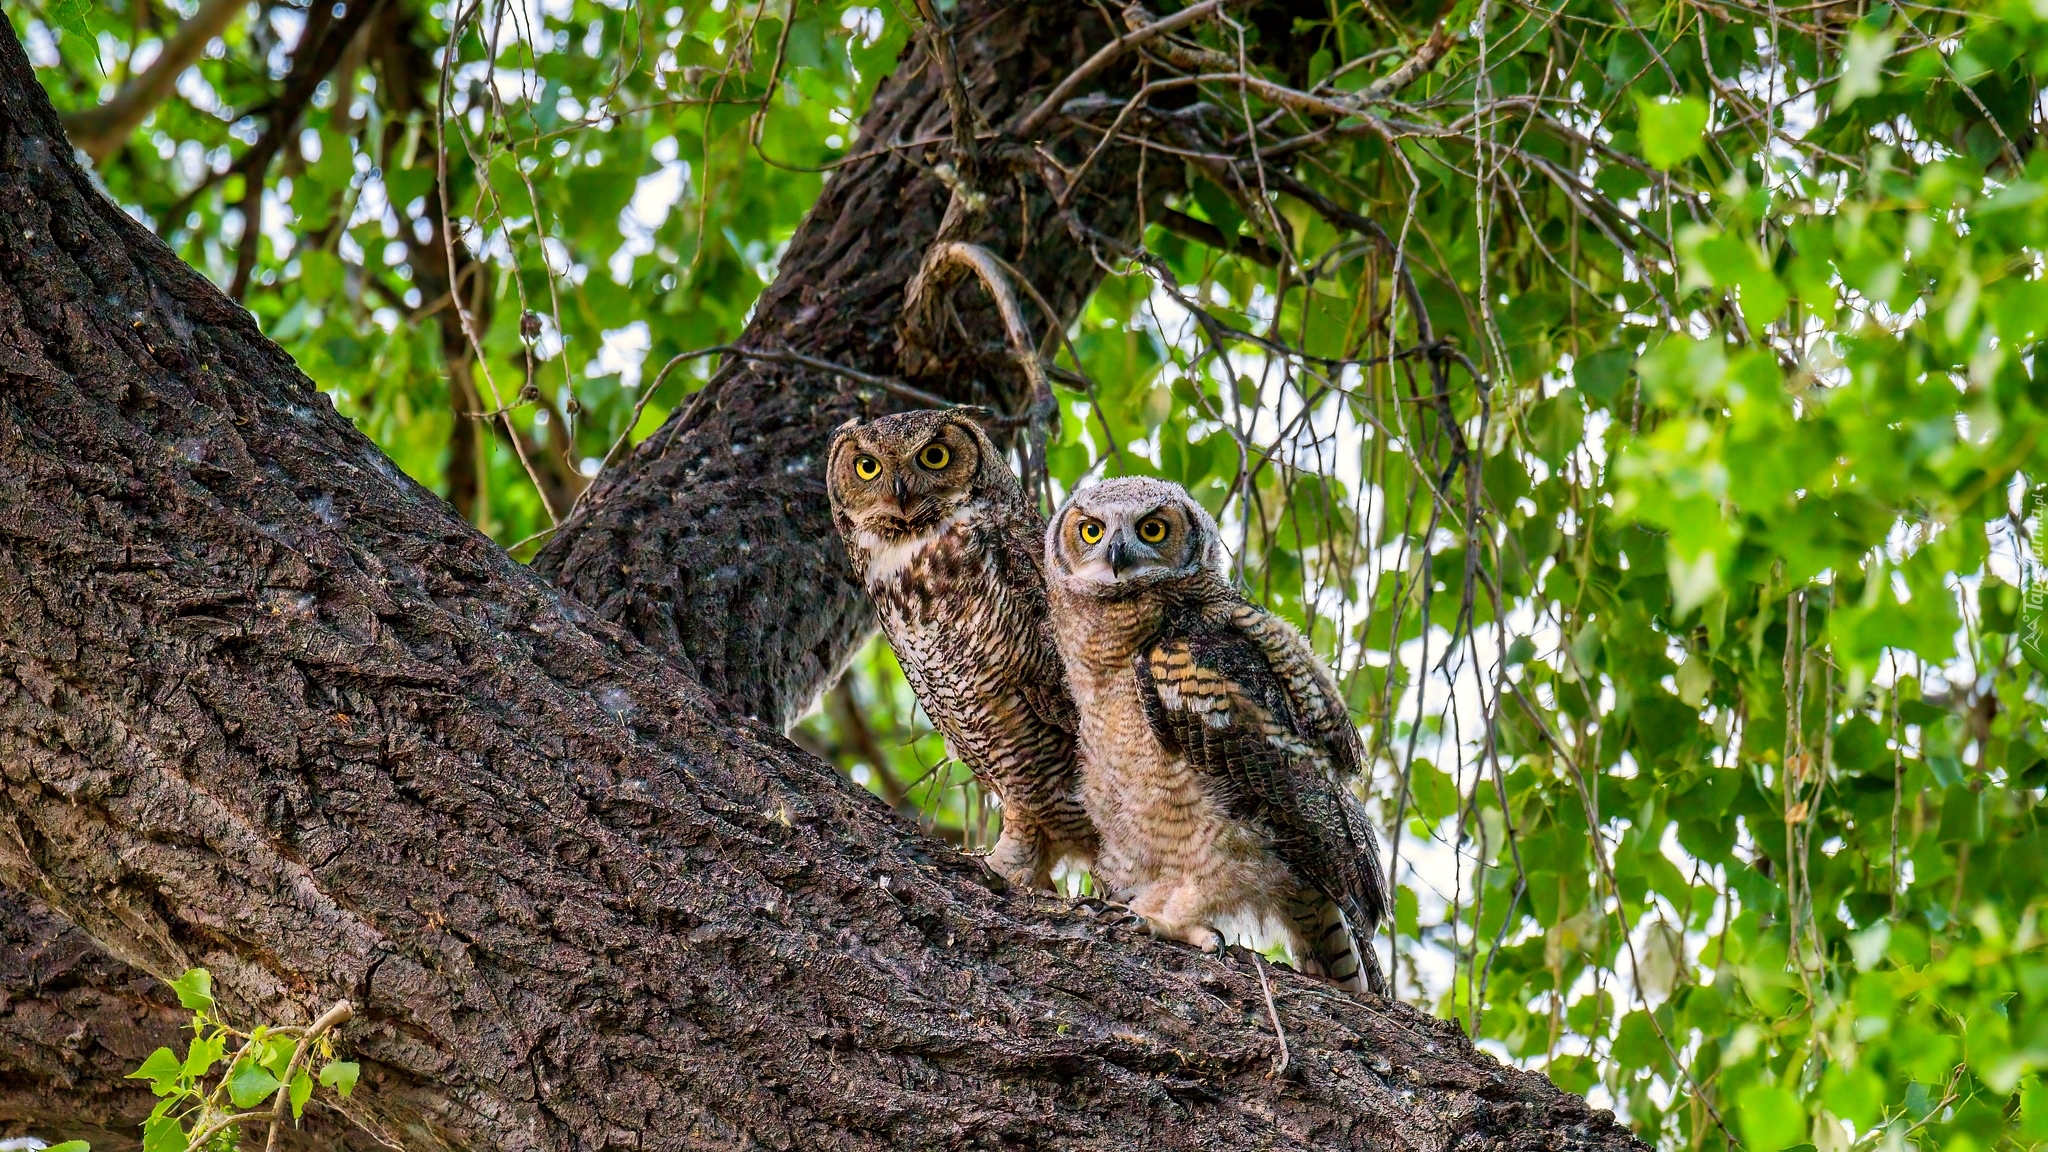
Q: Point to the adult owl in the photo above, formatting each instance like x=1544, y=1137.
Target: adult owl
x=940, y=533
x=1215, y=747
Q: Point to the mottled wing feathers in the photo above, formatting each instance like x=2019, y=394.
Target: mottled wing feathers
x=1212, y=694
x=1318, y=703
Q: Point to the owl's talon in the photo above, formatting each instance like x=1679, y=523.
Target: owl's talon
x=1112, y=915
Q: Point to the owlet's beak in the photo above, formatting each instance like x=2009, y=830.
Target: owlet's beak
x=1120, y=556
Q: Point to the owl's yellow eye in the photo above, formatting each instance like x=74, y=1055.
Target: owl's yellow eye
x=1152, y=530
x=935, y=457
x=1090, y=532
x=866, y=467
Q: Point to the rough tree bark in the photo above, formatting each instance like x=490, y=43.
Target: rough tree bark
x=268, y=706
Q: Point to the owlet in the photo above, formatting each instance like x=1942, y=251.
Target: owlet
x=941, y=535
x=1215, y=747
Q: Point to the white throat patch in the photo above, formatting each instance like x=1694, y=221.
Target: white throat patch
x=887, y=559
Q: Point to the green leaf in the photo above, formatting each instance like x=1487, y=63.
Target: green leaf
x=341, y=1075
x=1601, y=375
x=1863, y=65
x=195, y=989
x=301, y=1091
x=1671, y=131
x=204, y=1052
x=162, y=1070
x=276, y=1054
x=70, y=15
x=70, y=1146
x=1771, y=1118
x=250, y=1084
x=163, y=1134
x=1432, y=792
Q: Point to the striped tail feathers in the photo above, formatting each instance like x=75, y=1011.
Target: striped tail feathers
x=1337, y=950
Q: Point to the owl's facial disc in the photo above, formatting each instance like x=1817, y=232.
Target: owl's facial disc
x=895, y=486
x=1122, y=547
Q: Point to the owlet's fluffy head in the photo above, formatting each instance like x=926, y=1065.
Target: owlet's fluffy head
x=900, y=475
x=1123, y=537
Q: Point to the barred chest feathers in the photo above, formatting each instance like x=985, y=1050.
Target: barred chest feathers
x=958, y=630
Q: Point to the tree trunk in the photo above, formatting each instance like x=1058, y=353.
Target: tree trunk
x=716, y=528
x=266, y=705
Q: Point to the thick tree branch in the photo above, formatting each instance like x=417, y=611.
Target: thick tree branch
x=328, y=32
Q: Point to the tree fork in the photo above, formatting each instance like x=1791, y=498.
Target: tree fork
x=700, y=541
x=267, y=705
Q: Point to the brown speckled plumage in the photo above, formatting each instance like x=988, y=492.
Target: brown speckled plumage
x=1215, y=746
x=950, y=555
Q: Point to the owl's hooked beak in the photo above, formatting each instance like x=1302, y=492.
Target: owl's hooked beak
x=1127, y=557
x=902, y=493
x=1119, y=555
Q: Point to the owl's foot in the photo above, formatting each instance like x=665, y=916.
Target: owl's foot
x=1200, y=935
x=1110, y=915
x=1019, y=862
x=1124, y=916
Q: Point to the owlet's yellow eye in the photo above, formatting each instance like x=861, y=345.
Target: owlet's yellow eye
x=866, y=467
x=1090, y=532
x=934, y=457
x=1152, y=531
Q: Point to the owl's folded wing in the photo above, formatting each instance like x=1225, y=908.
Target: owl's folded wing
x=1211, y=695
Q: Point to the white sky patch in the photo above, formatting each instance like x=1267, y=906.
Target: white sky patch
x=513, y=85
x=863, y=22
x=288, y=24
x=145, y=54
x=621, y=354
x=654, y=196
x=42, y=47
x=277, y=222
x=194, y=90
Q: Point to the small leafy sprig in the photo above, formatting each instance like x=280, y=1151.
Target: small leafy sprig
x=269, y=1064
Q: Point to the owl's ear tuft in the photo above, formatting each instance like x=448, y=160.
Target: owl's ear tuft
x=981, y=415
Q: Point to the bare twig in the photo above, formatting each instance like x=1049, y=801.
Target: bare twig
x=1273, y=1014
x=938, y=38
x=927, y=290
x=443, y=99
x=329, y=1020
x=1203, y=232
x=927, y=286
x=1425, y=58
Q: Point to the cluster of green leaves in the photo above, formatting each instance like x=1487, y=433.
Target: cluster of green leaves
x=206, y=1095
x=1681, y=569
